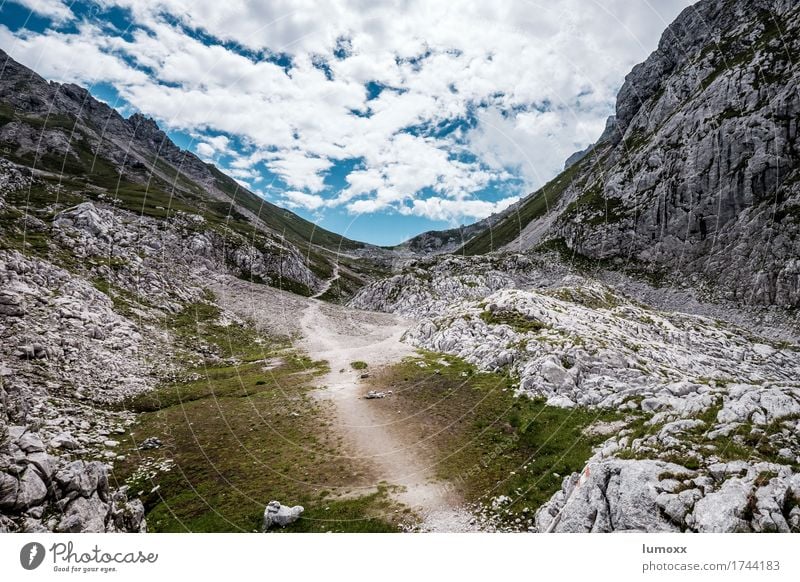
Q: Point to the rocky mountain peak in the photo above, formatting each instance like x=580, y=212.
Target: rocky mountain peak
x=145, y=128
x=697, y=178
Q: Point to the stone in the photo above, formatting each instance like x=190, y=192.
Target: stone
x=65, y=441
x=83, y=478
x=374, y=394
x=84, y=515
x=723, y=510
x=9, y=491
x=30, y=442
x=150, y=443
x=279, y=515
x=32, y=490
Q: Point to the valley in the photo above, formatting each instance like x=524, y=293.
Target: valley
x=615, y=352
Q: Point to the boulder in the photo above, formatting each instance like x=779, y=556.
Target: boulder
x=279, y=515
x=65, y=441
x=84, y=514
x=83, y=478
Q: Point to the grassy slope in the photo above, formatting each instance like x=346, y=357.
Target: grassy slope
x=535, y=206
x=154, y=196
x=242, y=435
x=94, y=168
x=486, y=441
x=293, y=227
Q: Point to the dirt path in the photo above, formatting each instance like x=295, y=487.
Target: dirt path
x=341, y=336
x=372, y=430
x=328, y=283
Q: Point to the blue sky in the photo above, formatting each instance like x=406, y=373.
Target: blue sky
x=378, y=120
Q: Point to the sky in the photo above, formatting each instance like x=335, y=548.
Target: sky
x=375, y=119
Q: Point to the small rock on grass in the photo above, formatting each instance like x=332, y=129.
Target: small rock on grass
x=276, y=514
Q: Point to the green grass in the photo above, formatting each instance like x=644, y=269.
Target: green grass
x=586, y=297
x=484, y=441
x=519, y=322
x=241, y=434
x=124, y=301
x=347, y=284
x=358, y=365
x=635, y=140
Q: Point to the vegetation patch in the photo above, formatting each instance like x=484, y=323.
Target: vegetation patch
x=597, y=208
x=239, y=433
x=519, y=322
x=484, y=440
x=358, y=365
x=586, y=297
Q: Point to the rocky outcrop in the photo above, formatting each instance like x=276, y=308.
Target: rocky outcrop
x=40, y=492
x=704, y=178
x=613, y=495
x=65, y=350
x=145, y=254
x=583, y=345
x=57, y=322
x=432, y=285
x=696, y=177
x=708, y=442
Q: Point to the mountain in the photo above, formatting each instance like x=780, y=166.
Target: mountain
x=85, y=149
x=176, y=353
x=696, y=175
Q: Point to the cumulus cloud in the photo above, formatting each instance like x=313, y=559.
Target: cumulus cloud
x=456, y=210
x=56, y=10
x=424, y=107
x=295, y=199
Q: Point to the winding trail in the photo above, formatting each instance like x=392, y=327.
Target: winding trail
x=328, y=283
x=341, y=336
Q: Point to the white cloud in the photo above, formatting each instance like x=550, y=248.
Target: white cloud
x=56, y=10
x=209, y=147
x=300, y=171
x=455, y=210
x=296, y=199
x=79, y=58
x=538, y=78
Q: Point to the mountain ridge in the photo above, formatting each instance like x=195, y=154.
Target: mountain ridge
x=59, y=105
x=698, y=171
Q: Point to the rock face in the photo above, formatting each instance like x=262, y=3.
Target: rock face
x=39, y=492
x=698, y=174
x=706, y=170
x=279, y=515
x=654, y=496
